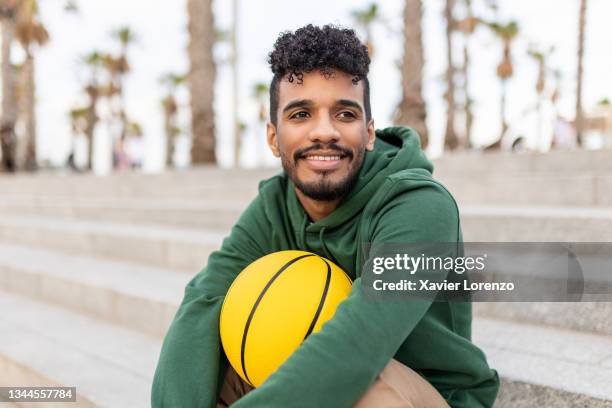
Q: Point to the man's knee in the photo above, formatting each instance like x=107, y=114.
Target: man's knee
x=398, y=386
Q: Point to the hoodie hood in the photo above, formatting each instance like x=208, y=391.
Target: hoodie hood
x=396, y=149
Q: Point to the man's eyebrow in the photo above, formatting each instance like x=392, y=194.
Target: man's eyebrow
x=298, y=103
x=349, y=104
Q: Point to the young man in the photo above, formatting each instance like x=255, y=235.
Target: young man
x=343, y=184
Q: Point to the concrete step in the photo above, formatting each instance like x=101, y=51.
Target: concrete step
x=541, y=190
x=591, y=317
x=191, y=213
x=192, y=183
x=111, y=366
x=139, y=297
x=173, y=191
x=555, y=162
x=569, y=190
x=576, y=190
x=484, y=223
x=16, y=374
x=554, y=190
x=568, y=368
x=566, y=178
x=536, y=224
x=207, y=222
x=165, y=247
x=204, y=174
x=145, y=297
x=518, y=394
x=108, y=365
x=479, y=222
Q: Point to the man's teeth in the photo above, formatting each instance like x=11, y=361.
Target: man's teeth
x=324, y=157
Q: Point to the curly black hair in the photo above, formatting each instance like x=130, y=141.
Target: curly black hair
x=324, y=48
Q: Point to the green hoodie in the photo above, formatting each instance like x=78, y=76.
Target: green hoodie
x=395, y=200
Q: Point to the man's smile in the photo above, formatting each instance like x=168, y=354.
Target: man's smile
x=318, y=162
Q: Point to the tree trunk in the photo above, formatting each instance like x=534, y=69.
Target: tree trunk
x=170, y=108
x=201, y=80
x=92, y=120
x=467, y=103
x=8, y=140
x=502, y=109
x=581, y=29
x=29, y=112
x=169, y=141
x=450, y=136
x=235, y=85
x=411, y=110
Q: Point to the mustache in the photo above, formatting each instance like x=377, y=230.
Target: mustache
x=342, y=151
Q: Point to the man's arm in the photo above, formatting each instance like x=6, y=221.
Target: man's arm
x=191, y=360
x=334, y=368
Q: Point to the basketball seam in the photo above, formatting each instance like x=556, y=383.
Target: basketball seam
x=322, y=301
x=256, y=304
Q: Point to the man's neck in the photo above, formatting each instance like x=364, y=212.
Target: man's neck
x=316, y=209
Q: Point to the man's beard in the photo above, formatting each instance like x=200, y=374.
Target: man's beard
x=324, y=189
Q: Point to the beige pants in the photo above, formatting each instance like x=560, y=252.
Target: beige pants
x=397, y=386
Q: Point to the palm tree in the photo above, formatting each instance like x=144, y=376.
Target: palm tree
x=467, y=27
x=450, y=137
x=261, y=91
x=540, y=57
x=119, y=67
x=236, y=83
x=116, y=67
x=580, y=69
x=134, y=129
x=78, y=120
x=93, y=62
x=411, y=110
x=71, y=6
x=78, y=125
x=365, y=19
x=126, y=36
x=507, y=33
x=201, y=80
x=29, y=31
x=8, y=139
x=556, y=93
x=229, y=38
x=170, y=107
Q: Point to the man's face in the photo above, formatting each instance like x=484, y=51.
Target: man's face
x=321, y=133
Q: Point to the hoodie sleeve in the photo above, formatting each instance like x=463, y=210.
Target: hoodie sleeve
x=192, y=361
x=334, y=367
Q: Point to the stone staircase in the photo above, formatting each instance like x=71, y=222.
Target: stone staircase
x=93, y=269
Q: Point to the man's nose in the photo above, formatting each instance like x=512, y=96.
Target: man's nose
x=324, y=131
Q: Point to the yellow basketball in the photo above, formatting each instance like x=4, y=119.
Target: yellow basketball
x=273, y=305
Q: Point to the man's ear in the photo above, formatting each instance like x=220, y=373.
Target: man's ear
x=371, y=135
x=272, y=139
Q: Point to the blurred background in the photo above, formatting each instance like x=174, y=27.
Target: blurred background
x=132, y=137
x=101, y=77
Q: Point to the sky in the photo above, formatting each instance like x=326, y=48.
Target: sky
x=162, y=39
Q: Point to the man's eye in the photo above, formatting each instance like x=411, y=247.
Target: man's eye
x=346, y=115
x=299, y=115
